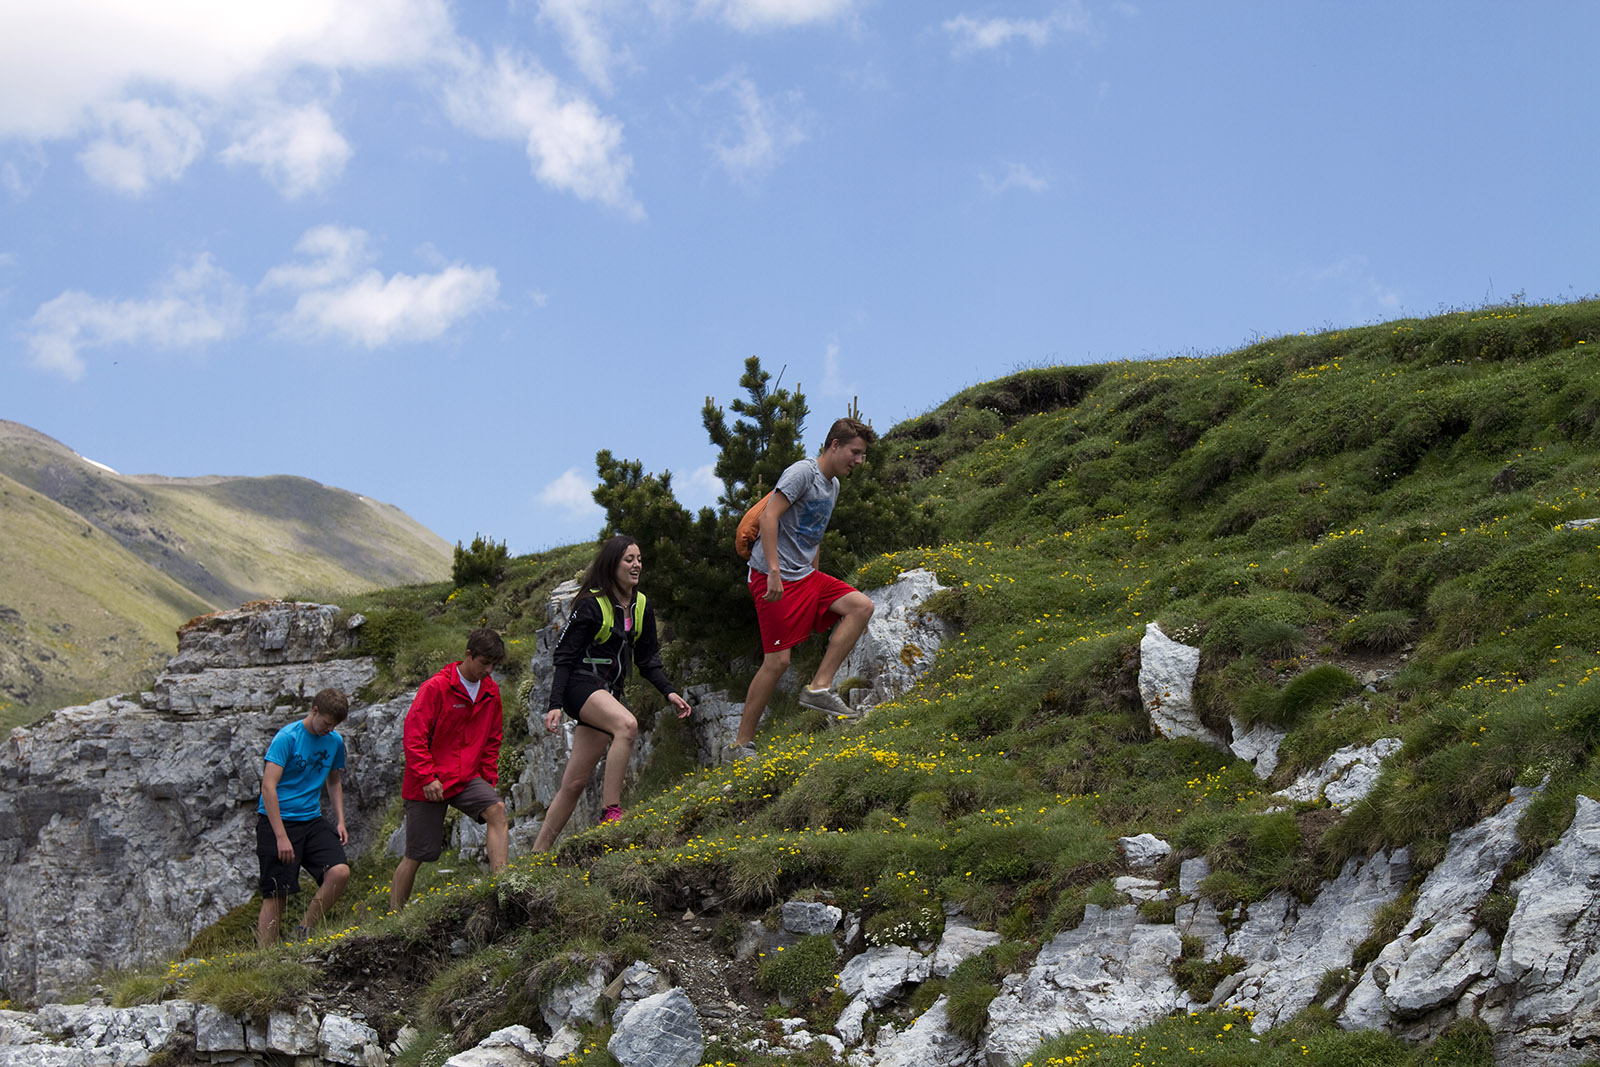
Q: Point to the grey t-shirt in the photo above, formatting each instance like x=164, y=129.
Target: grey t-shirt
x=800, y=529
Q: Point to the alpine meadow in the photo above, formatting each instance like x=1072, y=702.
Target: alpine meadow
x=1369, y=533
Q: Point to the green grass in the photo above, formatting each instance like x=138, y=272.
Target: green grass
x=1299, y=509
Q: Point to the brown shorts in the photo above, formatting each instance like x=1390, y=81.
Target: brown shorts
x=425, y=818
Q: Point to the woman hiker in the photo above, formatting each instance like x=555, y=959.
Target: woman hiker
x=611, y=630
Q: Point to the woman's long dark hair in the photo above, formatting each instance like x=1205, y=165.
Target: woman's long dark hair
x=602, y=573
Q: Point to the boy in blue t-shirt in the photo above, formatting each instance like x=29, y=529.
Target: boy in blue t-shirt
x=290, y=830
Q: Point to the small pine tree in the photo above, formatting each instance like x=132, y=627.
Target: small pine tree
x=482, y=564
x=754, y=451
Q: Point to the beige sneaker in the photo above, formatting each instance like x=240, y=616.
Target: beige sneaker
x=829, y=703
x=734, y=752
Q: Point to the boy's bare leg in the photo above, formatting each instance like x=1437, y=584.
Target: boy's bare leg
x=855, y=611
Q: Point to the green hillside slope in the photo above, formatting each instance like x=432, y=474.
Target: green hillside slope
x=188, y=545
x=80, y=616
x=1381, y=506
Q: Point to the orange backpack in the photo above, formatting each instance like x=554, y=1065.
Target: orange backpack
x=750, y=527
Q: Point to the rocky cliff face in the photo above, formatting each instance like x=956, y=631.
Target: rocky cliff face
x=126, y=826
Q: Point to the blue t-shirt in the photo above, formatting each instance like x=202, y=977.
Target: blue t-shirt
x=306, y=760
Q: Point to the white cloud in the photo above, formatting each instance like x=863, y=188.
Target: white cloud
x=971, y=34
x=699, y=489
x=61, y=61
x=1365, y=293
x=21, y=174
x=198, y=304
x=1016, y=176
x=573, y=146
x=833, y=383
x=774, y=14
x=340, y=299
x=139, y=145
x=762, y=129
x=571, y=495
x=584, y=26
x=332, y=254
x=297, y=149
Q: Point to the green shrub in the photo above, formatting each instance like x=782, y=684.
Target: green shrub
x=1271, y=639
x=802, y=972
x=1316, y=690
x=484, y=563
x=1381, y=631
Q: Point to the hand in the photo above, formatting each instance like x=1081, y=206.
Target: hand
x=552, y=719
x=681, y=704
x=433, y=791
x=285, y=850
x=344, y=835
x=774, y=587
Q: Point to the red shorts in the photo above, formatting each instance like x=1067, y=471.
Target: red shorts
x=802, y=611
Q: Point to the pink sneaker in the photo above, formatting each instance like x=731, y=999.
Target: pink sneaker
x=613, y=813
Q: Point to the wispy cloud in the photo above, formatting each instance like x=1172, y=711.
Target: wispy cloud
x=756, y=15
x=1367, y=295
x=585, y=28
x=297, y=149
x=340, y=299
x=572, y=496
x=755, y=132
x=833, y=383
x=699, y=489
x=572, y=146
x=1014, y=176
x=140, y=144
x=143, y=84
x=197, y=304
x=970, y=34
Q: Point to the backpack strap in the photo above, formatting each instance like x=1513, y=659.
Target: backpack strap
x=608, y=618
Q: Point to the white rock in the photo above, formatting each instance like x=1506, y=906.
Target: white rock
x=1344, y=777
x=576, y=1002
x=850, y=1024
x=661, y=1031
x=1258, y=746
x=565, y=1042
x=1144, y=851
x=217, y=1031
x=928, y=1041
x=804, y=918
x=900, y=641
x=881, y=973
x=342, y=1039
x=293, y=1032
x=960, y=941
x=1167, y=670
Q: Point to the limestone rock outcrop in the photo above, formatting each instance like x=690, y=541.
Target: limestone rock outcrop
x=127, y=827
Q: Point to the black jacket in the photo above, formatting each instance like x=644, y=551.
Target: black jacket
x=577, y=652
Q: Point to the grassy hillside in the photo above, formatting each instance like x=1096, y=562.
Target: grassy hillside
x=186, y=546
x=1383, y=499
x=80, y=616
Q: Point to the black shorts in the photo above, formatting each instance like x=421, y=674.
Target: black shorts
x=580, y=687
x=316, y=848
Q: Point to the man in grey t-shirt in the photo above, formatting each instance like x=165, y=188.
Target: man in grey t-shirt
x=793, y=598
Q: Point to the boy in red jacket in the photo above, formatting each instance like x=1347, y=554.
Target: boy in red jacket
x=452, y=745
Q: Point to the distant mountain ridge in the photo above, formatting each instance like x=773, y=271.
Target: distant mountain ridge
x=99, y=568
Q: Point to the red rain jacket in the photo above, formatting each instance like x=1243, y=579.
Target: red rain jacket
x=451, y=737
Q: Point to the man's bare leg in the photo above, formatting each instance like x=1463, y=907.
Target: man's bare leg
x=762, y=686
x=400, y=889
x=270, y=920
x=855, y=611
x=333, y=883
x=497, y=837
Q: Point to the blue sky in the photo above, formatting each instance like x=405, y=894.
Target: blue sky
x=441, y=253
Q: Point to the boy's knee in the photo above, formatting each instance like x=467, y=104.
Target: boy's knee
x=495, y=816
x=336, y=876
x=775, y=662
